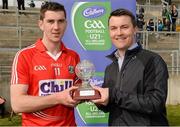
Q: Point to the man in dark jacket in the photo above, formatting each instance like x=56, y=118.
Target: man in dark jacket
x=21, y=5
x=135, y=84
x=5, y=4
x=174, y=16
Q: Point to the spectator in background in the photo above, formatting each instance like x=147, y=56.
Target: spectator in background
x=174, y=15
x=140, y=19
x=167, y=20
x=5, y=4
x=32, y=4
x=2, y=106
x=44, y=2
x=150, y=25
x=20, y=4
x=140, y=24
x=160, y=25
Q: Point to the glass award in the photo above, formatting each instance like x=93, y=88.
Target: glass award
x=85, y=71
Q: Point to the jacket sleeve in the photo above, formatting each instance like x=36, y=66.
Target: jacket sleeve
x=105, y=85
x=153, y=100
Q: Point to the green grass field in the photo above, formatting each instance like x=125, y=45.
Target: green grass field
x=173, y=113
x=15, y=121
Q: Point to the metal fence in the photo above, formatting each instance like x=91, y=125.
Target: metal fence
x=167, y=44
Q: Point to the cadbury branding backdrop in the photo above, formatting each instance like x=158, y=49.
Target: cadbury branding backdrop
x=87, y=34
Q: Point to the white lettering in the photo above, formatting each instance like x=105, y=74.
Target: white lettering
x=94, y=24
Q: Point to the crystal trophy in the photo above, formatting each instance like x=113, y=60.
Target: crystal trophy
x=85, y=71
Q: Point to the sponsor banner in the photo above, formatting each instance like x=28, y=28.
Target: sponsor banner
x=92, y=34
x=87, y=34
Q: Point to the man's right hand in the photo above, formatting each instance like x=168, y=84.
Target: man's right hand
x=65, y=97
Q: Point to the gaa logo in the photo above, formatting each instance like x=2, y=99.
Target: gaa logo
x=40, y=68
x=93, y=12
x=94, y=24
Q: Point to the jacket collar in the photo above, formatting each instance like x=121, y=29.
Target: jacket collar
x=128, y=53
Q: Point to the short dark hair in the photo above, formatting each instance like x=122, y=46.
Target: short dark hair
x=122, y=12
x=51, y=6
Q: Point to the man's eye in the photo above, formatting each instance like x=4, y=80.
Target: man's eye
x=50, y=21
x=113, y=28
x=125, y=27
x=62, y=20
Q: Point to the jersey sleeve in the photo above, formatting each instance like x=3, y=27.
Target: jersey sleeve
x=20, y=69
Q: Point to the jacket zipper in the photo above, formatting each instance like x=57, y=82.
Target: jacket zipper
x=122, y=71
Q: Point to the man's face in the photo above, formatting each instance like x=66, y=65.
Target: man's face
x=122, y=32
x=53, y=25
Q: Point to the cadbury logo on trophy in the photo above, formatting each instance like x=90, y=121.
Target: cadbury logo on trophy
x=85, y=70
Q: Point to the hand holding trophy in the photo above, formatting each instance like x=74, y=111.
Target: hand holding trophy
x=85, y=70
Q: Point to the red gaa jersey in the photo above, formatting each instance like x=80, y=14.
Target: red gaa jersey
x=46, y=74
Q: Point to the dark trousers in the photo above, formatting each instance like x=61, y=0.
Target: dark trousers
x=174, y=26
x=2, y=110
x=5, y=4
x=21, y=4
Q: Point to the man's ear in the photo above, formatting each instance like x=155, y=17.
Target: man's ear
x=40, y=23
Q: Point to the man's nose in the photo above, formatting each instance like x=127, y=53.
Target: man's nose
x=119, y=31
x=56, y=25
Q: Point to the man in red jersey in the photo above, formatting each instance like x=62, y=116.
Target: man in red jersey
x=43, y=74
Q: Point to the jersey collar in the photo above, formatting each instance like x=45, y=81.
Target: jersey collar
x=41, y=47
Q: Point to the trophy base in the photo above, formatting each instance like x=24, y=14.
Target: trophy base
x=89, y=94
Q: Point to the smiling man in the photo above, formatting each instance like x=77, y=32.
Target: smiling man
x=41, y=82
x=135, y=84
